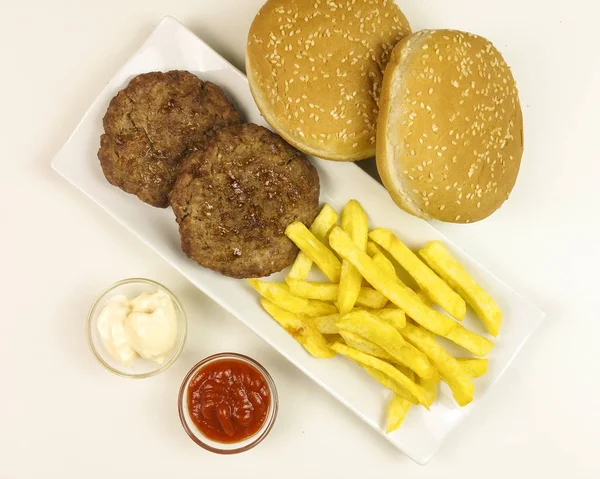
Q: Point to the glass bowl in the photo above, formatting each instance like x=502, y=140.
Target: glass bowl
x=141, y=368
x=219, y=447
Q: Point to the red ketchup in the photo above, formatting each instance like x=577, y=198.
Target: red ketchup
x=228, y=400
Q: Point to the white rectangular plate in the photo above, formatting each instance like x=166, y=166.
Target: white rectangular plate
x=171, y=46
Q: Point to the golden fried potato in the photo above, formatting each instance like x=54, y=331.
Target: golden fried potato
x=333, y=338
x=383, y=262
x=373, y=249
x=367, y=297
x=390, y=286
x=444, y=264
x=326, y=324
x=368, y=347
x=305, y=334
x=472, y=342
x=320, y=254
x=384, y=367
x=393, y=316
x=364, y=345
x=396, y=412
x=354, y=222
x=389, y=383
x=430, y=385
x=379, y=259
x=386, y=337
x=279, y=294
x=326, y=218
x=313, y=290
x=349, y=287
x=423, y=297
x=448, y=367
x=427, y=280
x=371, y=298
x=474, y=367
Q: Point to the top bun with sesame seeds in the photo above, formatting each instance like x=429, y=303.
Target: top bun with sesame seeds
x=450, y=129
x=315, y=69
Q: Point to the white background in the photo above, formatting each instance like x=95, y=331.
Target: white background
x=63, y=416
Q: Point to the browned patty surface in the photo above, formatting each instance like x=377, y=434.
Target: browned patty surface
x=152, y=124
x=234, y=199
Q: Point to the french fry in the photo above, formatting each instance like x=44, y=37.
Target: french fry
x=326, y=218
x=390, y=286
x=333, y=338
x=399, y=405
x=380, y=259
x=384, y=367
x=427, y=280
x=373, y=249
x=386, y=337
x=313, y=290
x=397, y=409
x=393, y=316
x=474, y=367
x=444, y=264
x=326, y=324
x=364, y=345
x=385, y=264
x=306, y=335
x=472, y=342
x=423, y=297
x=368, y=347
x=407, y=372
x=349, y=287
x=279, y=294
x=449, y=368
x=354, y=222
x=350, y=314
x=371, y=298
x=320, y=254
x=367, y=297
x=430, y=385
x=390, y=384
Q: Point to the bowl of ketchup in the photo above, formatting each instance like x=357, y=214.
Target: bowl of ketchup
x=228, y=403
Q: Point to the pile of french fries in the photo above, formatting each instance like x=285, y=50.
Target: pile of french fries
x=369, y=315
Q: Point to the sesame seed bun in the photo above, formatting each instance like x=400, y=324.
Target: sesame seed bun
x=315, y=69
x=450, y=129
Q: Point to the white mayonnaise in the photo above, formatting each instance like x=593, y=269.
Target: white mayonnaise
x=146, y=326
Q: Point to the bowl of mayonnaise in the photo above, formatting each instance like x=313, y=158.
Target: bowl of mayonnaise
x=137, y=328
